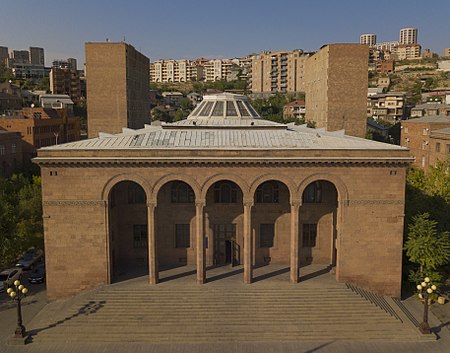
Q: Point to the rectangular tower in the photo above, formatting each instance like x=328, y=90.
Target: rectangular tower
x=37, y=56
x=336, y=88
x=117, y=88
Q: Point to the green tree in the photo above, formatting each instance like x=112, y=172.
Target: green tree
x=426, y=246
x=20, y=216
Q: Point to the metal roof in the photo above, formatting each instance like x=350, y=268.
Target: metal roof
x=250, y=137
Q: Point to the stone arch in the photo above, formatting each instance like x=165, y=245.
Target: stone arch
x=336, y=181
x=176, y=177
x=231, y=177
x=126, y=177
x=292, y=188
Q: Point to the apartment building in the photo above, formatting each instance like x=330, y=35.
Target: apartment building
x=117, y=87
x=369, y=39
x=20, y=56
x=37, y=56
x=294, y=110
x=408, y=36
x=336, y=88
x=428, y=139
x=387, y=106
x=430, y=109
x=220, y=70
x=385, y=66
x=66, y=81
x=40, y=127
x=407, y=51
x=279, y=71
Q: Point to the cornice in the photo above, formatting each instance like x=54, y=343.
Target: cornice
x=249, y=162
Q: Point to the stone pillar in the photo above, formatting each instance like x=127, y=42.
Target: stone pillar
x=294, y=258
x=200, y=242
x=152, y=246
x=248, y=244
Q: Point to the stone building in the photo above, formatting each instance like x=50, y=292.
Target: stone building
x=117, y=87
x=274, y=72
x=427, y=138
x=40, y=127
x=387, y=106
x=222, y=187
x=336, y=88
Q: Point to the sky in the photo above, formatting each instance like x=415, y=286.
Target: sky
x=215, y=29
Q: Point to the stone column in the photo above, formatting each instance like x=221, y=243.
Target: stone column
x=248, y=244
x=152, y=246
x=294, y=258
x=200, y=242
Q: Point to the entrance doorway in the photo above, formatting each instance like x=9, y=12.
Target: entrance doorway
x=226, y=249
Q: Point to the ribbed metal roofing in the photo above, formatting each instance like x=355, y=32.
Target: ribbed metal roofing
x=252, y=137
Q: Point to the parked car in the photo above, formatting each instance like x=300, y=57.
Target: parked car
x=7, y=278
x=38, y=274
x=30, y=258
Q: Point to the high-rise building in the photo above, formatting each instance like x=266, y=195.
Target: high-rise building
x=408, y=36
x=279, y=71
x=117, y=87
x=4, y=55
x=336, y=88
x=21, y=56
x=37, y=56
x=370, y=39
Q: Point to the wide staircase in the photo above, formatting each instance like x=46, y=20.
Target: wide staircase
x=220, y=313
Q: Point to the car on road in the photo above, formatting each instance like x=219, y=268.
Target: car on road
x=7, y=277
x=30, y=258
x=38, y=274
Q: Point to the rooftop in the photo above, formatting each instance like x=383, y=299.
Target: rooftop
x=225, y=122
x=429, y=119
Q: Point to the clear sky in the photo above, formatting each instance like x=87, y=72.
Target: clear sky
x=222, y=29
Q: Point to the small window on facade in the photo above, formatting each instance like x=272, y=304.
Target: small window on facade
x=267, y=192
x=218, y=109
x=181, y=193
x=266, y=235
x=2, y=150
x=225, y=192
x=140, y=235
x=438, y=147
x=182, y=236
x=135, y=194
x=13, y=148
x=313, y=193
x=231, y=110
x=309, y=235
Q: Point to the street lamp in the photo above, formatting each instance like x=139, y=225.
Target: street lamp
x=17, y=295
x=425, y=290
